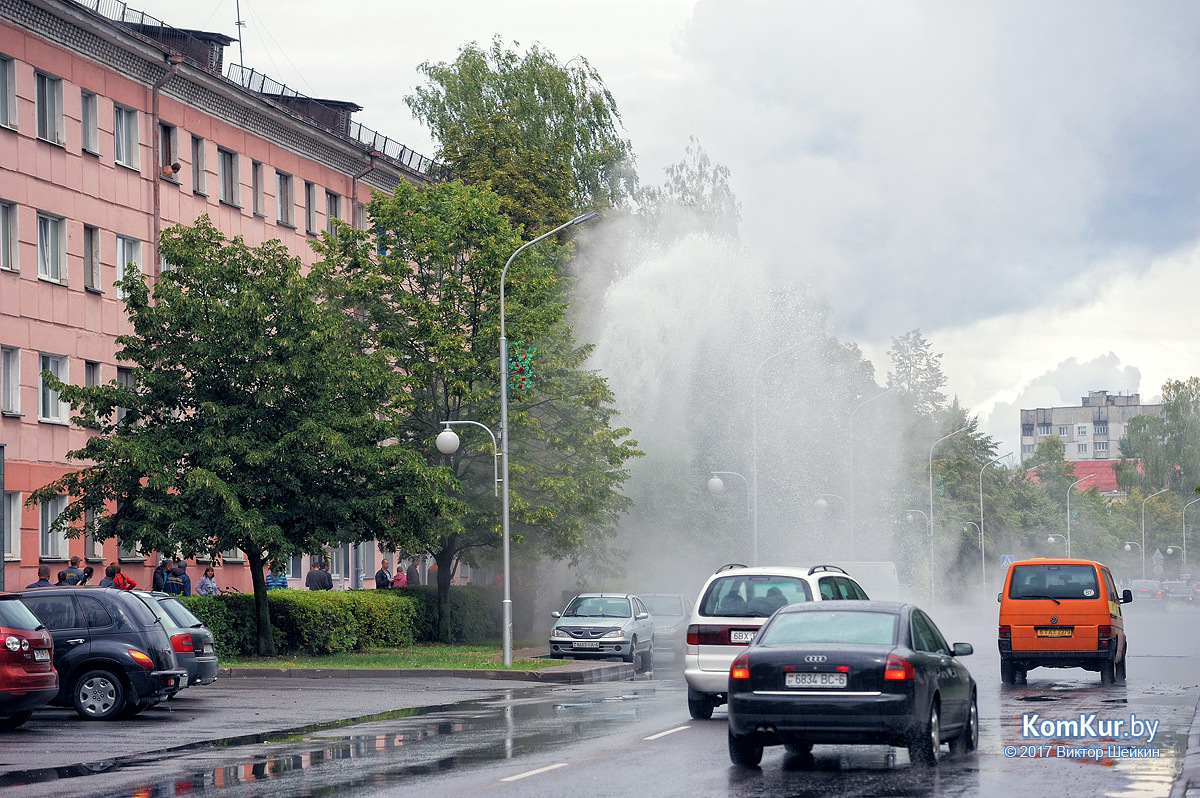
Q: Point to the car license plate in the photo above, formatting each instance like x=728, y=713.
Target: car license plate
x=1055, y=631
x=815, y=679
x=41, y=655
x=586, y=644
x=742, y=635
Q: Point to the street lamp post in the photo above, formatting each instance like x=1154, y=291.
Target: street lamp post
x=932, y=599
x=1050, y=539
x=1148, y=498
x=853, y=414
x=1189, y=504
x=447, y=443
x=979, y=531
x=716, y=485
x=1129, y=544
x=982, y=555
x=1069, y=491
x=929, y=523
x=504, y=443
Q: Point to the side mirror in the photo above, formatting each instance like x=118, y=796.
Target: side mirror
x=556, y=614
x=963, y=649
x=1126, y=596
x=998, y=595
x=641, y=616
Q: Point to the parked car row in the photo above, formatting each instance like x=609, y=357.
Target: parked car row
x=108, y=653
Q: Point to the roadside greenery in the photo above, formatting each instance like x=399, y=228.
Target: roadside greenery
x=426, y=655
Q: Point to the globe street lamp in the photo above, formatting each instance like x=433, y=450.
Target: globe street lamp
x=979, y=531
x=1069, y=490
x=1129, y=544
x=504, y=442
x=1148, y=498
x=982, y=556
x=932, y=600
x=447, y=443
x=911, y=513
x=1066, y=540
x=717, y=485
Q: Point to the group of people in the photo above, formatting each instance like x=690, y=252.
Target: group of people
x=384, y=578
x=74, y=576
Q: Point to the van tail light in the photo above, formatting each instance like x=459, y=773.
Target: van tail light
x=740, y=669
x=898, y=669
x=141, y=658
x=1104, y=631
x=1006, y=633
x=182, y=643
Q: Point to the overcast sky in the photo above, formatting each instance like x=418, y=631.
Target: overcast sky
x=1020, y=180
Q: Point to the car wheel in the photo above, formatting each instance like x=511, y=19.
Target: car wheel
x=968, y=739
x=1108, y=672
x=1008, y=674
x=745, y=751
x=647, y=662
x=926, y=743
x=1121, y=667
x=632, y=658
x=99, y=695
x=700, y=706
x=10, y=722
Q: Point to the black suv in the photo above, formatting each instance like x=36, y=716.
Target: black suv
x=113, y=657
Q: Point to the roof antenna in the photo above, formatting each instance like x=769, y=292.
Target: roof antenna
x=240, y=25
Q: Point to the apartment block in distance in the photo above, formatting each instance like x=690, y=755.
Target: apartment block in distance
x=1091, y=430
x=113, y=126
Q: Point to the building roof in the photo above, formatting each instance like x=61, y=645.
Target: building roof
x=1099, y=474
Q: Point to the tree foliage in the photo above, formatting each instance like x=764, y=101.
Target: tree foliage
x=696, y=196
x=254, y=419
x=917, y=373
x=1164, y=452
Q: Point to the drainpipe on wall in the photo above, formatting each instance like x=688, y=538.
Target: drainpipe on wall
x=173, y=62
x=373, y=154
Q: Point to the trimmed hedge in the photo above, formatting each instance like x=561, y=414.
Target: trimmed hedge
x=333, y=621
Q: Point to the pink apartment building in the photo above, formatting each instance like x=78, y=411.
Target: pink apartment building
x=114, y=126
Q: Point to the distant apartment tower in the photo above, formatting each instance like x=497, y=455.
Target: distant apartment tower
x=1091, y=430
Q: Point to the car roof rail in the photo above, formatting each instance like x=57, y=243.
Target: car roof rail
x=831, y=568
x=729, y=565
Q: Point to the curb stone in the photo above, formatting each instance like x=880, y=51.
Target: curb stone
x=1187, y=781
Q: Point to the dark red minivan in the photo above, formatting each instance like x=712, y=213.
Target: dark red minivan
x=27, y=676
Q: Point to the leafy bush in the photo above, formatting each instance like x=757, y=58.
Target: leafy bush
x=476, y=615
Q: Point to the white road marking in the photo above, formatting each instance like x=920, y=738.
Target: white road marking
x=535, y=772
x=665, y=733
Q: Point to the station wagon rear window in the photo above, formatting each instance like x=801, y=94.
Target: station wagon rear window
x=853, y=627
x=739, y=596
x=1054, y=581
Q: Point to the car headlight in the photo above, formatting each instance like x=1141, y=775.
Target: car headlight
x=615, y=633
x=556, y=632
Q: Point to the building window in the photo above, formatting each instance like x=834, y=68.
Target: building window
x=1100, y=429
x=91, y=373
x=1043, y=429
x=8, y=92
x=1082, y=448
x=360, y=216
x=333, y=211
x=129, y=260
x=232, y=555
x=12, y=525
x=310, y=207
x=1064, y=432
x=168, y=155
x=10, y=380
x=125, y=551
x=1081, y=430
x=295, y=567
x=90, y=118
x=227, y=176
x=51, y=243
x=1027, y=448
x=49, y=407
x=125, y=136
x=1102, y=446
x=53, y=545
x=198, y=165
x=125, y=380
x=8, y=236
x=49, y=108
x=256, y=188
x=284, y=203
x=91, y=258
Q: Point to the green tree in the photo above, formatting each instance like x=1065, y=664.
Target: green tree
x=696, y=196
x=254, y=420
x=917, y=373
x=1167, y=448
x=425, y=282
x=528, y=122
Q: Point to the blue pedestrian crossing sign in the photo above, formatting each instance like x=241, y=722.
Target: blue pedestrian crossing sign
x=1006, y=560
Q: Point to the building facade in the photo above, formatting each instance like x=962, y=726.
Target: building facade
x=1091, y=430
x=114, y=126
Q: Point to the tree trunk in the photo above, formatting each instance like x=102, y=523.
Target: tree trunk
x=445, y=572
x=262, y=611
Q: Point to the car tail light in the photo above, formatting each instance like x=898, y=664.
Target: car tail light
x=1104, y=631
x=1006, y=633
x=182, y=643
x=16, y=643
x=898, y=669
x=740, y=669
x=1160, y=593
x=141, y=658
x=713, y=635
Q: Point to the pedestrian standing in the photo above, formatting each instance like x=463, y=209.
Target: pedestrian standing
x=414, y=573
x=383, y=577
x=207, y=586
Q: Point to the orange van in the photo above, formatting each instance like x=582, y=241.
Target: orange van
x=1061, y=613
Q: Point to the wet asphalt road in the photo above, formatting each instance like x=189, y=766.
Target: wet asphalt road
x=460, y=737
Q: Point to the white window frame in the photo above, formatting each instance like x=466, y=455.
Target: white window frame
x=285, y=204
x=1102, y=446
x=1100, y=429
x=1064, y=432
x=1083, y=447
x=10, y=380
x=51, y=409
x=8, y=237
x=129, y=250
x=333, y=210
x=51, y=546
x=126, y=141
x=8, y=92
x=198, y=166
x=310, y=207
x=48, y=107
x=91, y=258
x=1044, y=429
x=125, y=380
x=228, y=181
x=89, y=114
x=12, y=524
x=92, y=549
x=257, y=201
x=51, y=248
x=1081, y=430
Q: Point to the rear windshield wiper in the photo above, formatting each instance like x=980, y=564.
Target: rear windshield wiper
x=1052, y=598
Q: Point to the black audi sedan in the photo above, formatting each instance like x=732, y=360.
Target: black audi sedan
x=851, y=672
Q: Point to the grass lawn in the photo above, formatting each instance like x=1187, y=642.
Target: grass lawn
x=432, y=655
